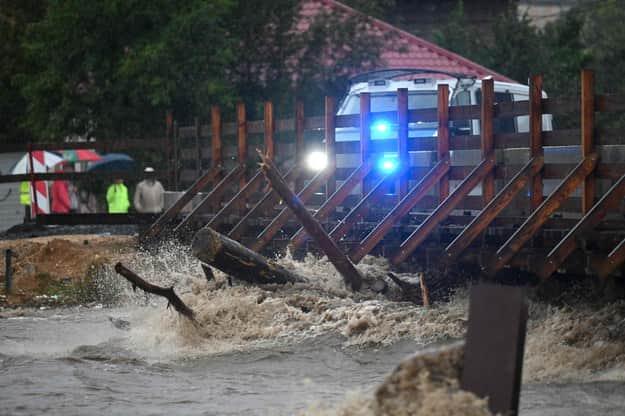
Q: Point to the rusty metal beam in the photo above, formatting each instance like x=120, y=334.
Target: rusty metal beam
x=331, y=203
x=533, y=223
x=568, y=244
x=267, y=200
x=159, y=225
x=400, y=210
x=213, y=197
x=286, y=214
x=490, y=212
x=444, y=209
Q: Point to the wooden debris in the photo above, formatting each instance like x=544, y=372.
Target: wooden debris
x=167, y=293
x=238, y=261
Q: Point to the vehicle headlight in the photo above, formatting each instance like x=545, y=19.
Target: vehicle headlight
x=316, y=161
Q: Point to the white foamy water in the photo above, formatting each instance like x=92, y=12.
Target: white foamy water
x=300, y=349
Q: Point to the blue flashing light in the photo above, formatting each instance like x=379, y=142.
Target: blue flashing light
x=381, y=126
x=388, y=165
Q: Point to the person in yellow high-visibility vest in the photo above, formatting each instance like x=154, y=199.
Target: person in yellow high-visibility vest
x=117, y=198
x=25, y=199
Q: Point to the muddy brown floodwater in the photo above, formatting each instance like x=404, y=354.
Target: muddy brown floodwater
x=308, y=349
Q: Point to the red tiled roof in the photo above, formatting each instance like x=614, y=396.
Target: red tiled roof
x=404, y=49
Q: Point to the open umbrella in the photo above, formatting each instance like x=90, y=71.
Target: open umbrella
x=42, y=162
x=113, y=162
x=80, y=155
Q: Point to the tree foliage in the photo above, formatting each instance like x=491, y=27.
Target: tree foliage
x=111, y=68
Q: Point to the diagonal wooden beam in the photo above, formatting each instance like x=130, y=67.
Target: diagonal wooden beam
x=238, y=200
x=444, y=209
x=286, y=214
x=267, y=200
x=155, y=229
x=362, y=207
x=490, y=212
x=401, y=209
x=214, y=196
x=533, y=223
x=331, y=203
x=614, y=260
x=568, y=244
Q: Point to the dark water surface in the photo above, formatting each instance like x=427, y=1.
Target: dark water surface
x=78, y=362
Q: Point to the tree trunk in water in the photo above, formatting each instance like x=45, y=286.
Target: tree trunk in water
x=239, y=261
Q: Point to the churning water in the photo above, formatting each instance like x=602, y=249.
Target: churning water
x=307, y=349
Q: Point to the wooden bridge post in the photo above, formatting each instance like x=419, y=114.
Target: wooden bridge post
x=299, y=140
x=198, y=148
x=365, y=133
x=587, y=127
x=216, y=156
x=176, y=155
x=169, y=128
x=443, y=137
x=241, y=139
x=402, y=143
x=269, y=130
x=536, y=140
x=330, y=136
x=486, y=135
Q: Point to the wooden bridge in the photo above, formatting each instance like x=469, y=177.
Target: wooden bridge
x=531, y=211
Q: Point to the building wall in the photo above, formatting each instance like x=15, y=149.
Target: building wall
x=11, y=212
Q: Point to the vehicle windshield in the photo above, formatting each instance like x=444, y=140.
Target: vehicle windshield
x=388, y=102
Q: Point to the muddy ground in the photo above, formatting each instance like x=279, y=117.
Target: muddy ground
x=59, y=269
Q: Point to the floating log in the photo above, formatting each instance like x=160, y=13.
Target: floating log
x=166, y=292
x=340, y=261
x=238, y=261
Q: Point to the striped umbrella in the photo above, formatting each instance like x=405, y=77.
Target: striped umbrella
x=80, y=155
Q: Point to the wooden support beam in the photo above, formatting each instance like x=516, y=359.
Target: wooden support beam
x=286, y=214
x=161, y=223
x=360, y=210
x=566, y=246
x=533, y=223
x=587, y=129
x=612, y=262
x=490, y=212
x=536, y=137
x=443, y=137
x=213, y=198
x=400, y=210
x=331, y=203
x=239, y=200
x=216, y=146
x=330, y=138
x=169, y=134
x=268, y=200
x=176, y=155
x=350, y=274
x=299, y=140
x=270, y=128
x=486, y=135
x=198, y=147
x=241, y=139
x=402, y=139
x=443, y=209
x=365, y=133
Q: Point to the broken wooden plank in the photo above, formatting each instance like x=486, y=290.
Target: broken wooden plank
x=340, y=261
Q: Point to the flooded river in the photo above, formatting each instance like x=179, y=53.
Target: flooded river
x=301, y=350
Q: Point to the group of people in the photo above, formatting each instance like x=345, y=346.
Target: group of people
x=149, y=196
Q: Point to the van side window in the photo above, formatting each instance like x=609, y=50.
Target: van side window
x=461, y=127
x=500, y=124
